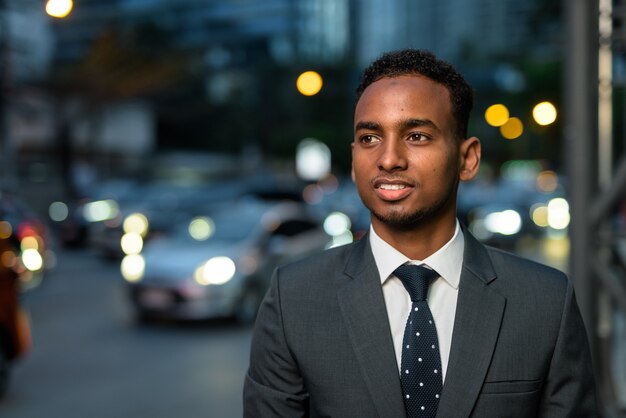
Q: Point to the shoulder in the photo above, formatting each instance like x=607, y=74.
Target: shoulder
x=503, y=260
x=519, y=275
x=320, y=273
x=501, y=268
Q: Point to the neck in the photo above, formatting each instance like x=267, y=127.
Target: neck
x=419, y=241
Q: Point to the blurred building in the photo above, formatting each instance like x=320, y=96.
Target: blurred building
x=110, y=78
x=210, y=54
x=25, y=58
x=459, y=29
x=226, y=31
x=323, y=30
x=26, y=54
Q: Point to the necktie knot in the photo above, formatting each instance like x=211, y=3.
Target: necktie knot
x=416, y=280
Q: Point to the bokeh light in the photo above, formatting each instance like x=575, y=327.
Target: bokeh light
x=101, y=210
x=201, y=228
x=309, y=83
x=544, y=113
x=8, y=259
x=507, y=222
x=133, y=267
x=512, y=129
x=5, y=230
x=497, y=115
x=29, y=242
x=337, y=223
x=32, y=260
x=558, y=213
x=313, y=194
x=131, y=243
x=539, y=215
x=547, y=181
x=136, y=222
x=313, y=159
x=58, y=211
x=59, y=8
x=216, y=271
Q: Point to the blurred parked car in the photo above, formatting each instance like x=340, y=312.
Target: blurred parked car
x=72, y=219
x=220, y=265
x=171, y=185
x=21, y=224
x=159, y=206
x=503, y=212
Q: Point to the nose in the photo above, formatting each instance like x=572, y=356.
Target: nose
x=392, y=156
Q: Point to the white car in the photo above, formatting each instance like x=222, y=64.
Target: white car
x=220, y=265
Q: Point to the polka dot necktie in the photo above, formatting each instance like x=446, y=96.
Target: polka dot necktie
x=421, y=364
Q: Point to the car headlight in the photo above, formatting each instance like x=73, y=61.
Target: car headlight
x=216, y=271
x=137, y=223
x=32, y=260
x=131, y=243
x=100, y=210
x=336, y=224
x=133, y=267
x=558, y=213
x=507, y=222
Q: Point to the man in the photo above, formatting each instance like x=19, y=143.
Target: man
x=330, y=336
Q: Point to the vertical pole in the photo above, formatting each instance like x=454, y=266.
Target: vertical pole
x=7, y=177
x=581, y=137
x=605, y=93
x=603, y=230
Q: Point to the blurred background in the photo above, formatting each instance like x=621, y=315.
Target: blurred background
x=158, y=158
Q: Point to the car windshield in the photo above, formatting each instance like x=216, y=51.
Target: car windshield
x=228, y=226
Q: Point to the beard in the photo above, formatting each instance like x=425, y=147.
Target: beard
x=403, y=220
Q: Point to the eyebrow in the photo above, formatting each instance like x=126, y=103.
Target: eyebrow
x=404, y=124
x=369, y=126
x=417, y=123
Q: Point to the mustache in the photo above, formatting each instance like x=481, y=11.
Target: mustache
x=395, y=179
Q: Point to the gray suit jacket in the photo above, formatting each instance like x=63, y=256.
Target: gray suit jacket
x=322, y=345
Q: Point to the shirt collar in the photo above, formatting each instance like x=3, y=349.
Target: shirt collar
x=447, y=261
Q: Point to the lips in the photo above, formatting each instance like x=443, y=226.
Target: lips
x=392, y=190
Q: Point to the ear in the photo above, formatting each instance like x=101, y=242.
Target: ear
x=469, y=158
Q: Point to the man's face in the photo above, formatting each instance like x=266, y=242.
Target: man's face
x=405, y=157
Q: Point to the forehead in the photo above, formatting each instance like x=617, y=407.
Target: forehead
x=407, y=96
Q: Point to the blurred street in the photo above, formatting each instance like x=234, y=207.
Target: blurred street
x=90, y=358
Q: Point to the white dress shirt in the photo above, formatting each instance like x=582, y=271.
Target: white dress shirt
x=442, y=294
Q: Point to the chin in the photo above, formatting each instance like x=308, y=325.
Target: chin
x=399, y=218
x=404, y=220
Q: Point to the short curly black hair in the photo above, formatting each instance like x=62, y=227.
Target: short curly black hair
x=424, y=63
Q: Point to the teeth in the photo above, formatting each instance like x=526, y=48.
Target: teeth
x=392, y=186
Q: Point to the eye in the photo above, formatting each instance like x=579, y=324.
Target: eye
x=418, y=137
x=368, y=139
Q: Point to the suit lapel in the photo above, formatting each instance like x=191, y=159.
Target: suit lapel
x=364, y=313
x=476, y=327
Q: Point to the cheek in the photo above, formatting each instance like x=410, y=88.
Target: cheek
x=439, y=168
x=359, y=164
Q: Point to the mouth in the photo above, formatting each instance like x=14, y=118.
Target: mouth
x=392, y=186
x=392, y=190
